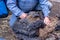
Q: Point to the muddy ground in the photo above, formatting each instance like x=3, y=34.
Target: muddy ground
x=7, y=33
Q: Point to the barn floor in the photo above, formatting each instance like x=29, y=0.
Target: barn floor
x=7, y=33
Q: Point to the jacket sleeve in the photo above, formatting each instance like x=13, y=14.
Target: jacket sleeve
x=45, y=5
x=11, y=4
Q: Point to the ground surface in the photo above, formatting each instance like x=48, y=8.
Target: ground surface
x=6, y=32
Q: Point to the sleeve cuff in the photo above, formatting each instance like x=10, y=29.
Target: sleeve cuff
x=46, y=13
x=20, y=13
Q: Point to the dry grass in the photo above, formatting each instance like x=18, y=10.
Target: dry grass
x=48, y=28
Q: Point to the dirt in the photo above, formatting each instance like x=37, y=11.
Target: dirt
x=7, y=33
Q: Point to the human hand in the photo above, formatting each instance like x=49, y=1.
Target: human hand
x=47, y=21
x=24, y=15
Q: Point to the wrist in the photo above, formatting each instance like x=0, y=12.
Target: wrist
x=46, y=16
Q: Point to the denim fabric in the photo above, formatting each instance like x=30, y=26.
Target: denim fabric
x=1, y=38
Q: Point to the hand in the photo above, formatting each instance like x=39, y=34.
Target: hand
x=47, y=21
x=24, y=15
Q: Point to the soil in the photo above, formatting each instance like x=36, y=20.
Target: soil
x=7, y=33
